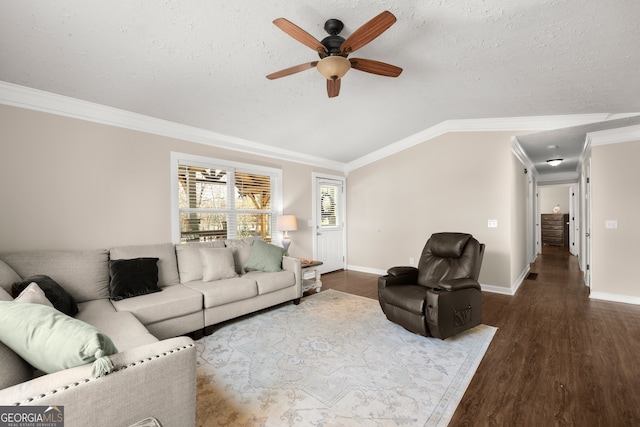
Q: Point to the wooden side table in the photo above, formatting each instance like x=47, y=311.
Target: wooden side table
x=308, y=266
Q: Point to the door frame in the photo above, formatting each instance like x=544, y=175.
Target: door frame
x=315, y=177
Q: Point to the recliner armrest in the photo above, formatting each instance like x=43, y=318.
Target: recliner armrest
x=402, y=271
x=459, y=284
x=398, y=276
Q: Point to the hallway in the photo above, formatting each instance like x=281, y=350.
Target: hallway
x=558, y=357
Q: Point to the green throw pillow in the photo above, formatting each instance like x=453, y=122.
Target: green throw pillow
x=52, y=341
x=264, y=257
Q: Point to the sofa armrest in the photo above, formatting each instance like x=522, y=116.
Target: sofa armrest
x=459, y=284
x=295, y=265
x=136, y=389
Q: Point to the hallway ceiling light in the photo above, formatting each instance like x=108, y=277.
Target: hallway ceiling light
x=554, y=162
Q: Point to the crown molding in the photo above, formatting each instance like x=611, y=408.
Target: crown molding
x=38, y=100
x=532, y=123
x=614, y=136
x=517, y=150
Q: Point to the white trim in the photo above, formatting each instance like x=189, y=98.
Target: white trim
x=615, y=298
x=508, y=291
x=38, y=100
x=314, y=206
x=534, y=123
x=614, y=136
x=366, y=270
x=33, y=99
x=498, y=290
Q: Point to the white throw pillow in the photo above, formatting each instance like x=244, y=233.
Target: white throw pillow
x=33, y=294
x=189, y=261
x=217, y=264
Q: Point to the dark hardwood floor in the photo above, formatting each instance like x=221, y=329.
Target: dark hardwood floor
x=558, y=357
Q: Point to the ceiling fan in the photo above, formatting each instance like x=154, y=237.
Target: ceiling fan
x=334, y=50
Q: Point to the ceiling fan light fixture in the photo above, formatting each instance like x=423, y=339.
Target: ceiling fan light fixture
x=554, y=162
x=333, y=67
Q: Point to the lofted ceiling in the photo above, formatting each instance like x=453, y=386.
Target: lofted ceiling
x=203, y=64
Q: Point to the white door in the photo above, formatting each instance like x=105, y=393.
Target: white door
x=329, y=220
x=587, y=234
x=574, y=224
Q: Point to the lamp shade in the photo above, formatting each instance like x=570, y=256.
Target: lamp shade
x=287, y=223
x=333, y=67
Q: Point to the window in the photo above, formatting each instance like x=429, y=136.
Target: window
x=328, y=198
x=216, y=199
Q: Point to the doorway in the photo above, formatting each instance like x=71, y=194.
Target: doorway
x=556, y=216
x=329, y=239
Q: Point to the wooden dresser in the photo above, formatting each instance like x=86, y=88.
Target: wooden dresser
x=555, y=229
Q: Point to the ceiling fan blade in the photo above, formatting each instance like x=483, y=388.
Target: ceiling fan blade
x=292, y=70
x=299, y=34
x=333, y=88
x=367, y=32
x=375, y=67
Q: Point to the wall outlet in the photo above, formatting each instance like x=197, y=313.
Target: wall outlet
x=411, y=261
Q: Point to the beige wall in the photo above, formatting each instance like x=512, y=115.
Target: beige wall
x=455, y=182
x=552, y=195
x=614, y=191
x=71, y=184
x=521, y=219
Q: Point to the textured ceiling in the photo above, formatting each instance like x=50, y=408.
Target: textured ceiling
x=203, y=63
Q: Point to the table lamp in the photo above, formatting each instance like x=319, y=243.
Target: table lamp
x=287, y=223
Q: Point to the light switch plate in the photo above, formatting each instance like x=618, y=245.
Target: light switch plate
x=492, y=223
x=611, y=223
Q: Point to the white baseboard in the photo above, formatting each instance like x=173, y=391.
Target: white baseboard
x=615, y=298
x=497, y=289
x=366, y=270
x=487, y=288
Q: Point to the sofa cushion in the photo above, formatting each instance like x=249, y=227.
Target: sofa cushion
x=271, y=281
x=133, y=277
x=173, y=301
x=59, y=297
x=13, y=368
x=55, y=340
x=126, y=332
x=264, y=257
x=34, y=295
x=189, y=261
x=165, y=252
x=225, y=291
x=84, y=274
x=5, y=296
x=8, y=276
x=241, y=249
x=217, y=264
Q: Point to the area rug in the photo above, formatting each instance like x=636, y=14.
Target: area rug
x=333, y=360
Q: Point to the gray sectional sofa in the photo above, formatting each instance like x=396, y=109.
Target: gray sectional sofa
x=154, y=369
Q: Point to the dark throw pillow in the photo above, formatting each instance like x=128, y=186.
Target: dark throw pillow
x=133, y=277
x=61, y=299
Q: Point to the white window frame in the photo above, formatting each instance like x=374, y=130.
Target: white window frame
x=210, y=162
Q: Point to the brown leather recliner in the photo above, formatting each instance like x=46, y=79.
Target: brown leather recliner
x=441, y=297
